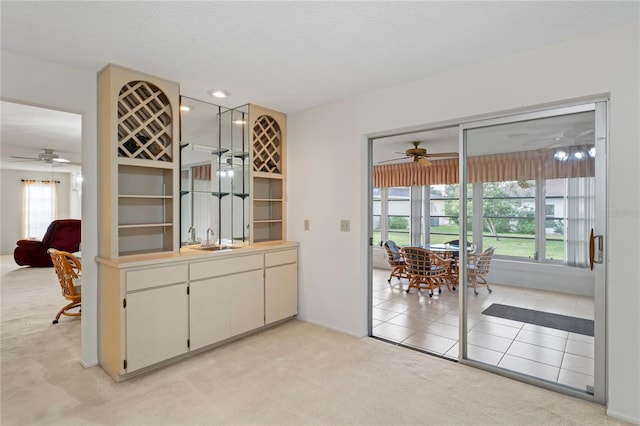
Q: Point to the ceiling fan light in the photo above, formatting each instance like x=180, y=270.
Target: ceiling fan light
x=561, y=156
x=60, y=160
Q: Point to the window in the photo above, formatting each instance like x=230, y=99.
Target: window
x=445, y=213
x=509, y=217
x=399, y=203
x=554, y=221
x=391, y=215
x=537, y=220
x=377, y=214
x=39, y=207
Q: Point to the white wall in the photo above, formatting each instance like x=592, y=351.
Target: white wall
x=51, y=85
x=328, y=177
x=12, y=194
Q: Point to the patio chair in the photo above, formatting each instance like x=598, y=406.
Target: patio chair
x=478, y=267
x=395, y=260
x=68, y=269
x=426, y=269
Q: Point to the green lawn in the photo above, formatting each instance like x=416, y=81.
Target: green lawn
x=504, y=246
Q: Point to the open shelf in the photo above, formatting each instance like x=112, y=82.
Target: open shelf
x=144, y=181
x=267, y=210
x=145, y=225
x=267, y=188
x=145, y=238
x=139, y=210
x=155, y=197
x=264, y=231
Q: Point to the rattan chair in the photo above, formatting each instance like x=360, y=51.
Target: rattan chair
x=478, y=267
x=68, y=269
x=426, y=269
x=395, y=260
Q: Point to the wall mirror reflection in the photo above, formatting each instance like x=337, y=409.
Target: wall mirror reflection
x=214, y=174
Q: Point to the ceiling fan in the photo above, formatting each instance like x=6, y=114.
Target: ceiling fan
x=420, y=155
x=563, y=138
x=48, y=156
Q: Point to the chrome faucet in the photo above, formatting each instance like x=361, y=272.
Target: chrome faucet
x=209, y=233
x=192, y=230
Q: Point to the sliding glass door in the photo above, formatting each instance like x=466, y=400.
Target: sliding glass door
x=535, y=225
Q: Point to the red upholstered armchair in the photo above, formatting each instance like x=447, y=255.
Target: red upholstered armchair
x=63, y=234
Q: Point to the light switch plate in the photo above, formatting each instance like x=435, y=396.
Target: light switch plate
x=345, y=225
x=306, y=224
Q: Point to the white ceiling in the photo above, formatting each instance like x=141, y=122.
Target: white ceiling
x=26, y=131
x=290, y=56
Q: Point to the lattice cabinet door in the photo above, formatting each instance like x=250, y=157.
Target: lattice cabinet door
x=138, y=128
x=145, y=122
x=267, y=145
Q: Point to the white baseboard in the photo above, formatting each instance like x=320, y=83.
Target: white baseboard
x=632, y=420
x=88, y=364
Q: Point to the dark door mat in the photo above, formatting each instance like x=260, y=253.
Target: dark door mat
x=545, y=319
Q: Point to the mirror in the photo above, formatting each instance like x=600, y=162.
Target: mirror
x=214, y=174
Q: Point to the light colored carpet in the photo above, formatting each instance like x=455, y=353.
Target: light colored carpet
x=294, y=374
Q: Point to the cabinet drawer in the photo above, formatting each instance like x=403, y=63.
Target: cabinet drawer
x=215, y=268
x=280, y=257
x=146, y=278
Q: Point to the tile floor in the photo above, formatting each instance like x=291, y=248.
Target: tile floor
x=431, y=324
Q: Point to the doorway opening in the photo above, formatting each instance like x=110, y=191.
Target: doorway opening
x=40, y=162
x=533, y=184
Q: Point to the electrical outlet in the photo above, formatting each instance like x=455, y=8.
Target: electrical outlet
x=306, y=224
x=345, y=225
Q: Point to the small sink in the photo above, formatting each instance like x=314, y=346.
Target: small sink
x=217, y=247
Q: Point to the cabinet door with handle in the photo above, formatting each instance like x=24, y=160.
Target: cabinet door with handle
x=281, y=292
x=156, y=325
x=209, y=311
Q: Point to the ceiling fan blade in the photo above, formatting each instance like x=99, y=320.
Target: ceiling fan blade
x=395, y=159
x=424, y=162
x=24, y=158
x=443, y=154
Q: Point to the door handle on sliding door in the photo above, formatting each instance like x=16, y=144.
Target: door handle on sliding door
x=592, y=249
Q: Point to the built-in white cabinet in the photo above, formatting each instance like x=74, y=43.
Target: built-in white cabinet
x=268, y=172
x=160, y=308
x=138, y=126
x=280, y=285
x=156, y=325
x=227, y=298
x=156, y=302
x=210, y=312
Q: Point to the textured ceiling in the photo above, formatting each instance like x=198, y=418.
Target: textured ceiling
x=288, y=56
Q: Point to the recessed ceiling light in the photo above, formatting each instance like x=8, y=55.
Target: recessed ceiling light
x=185, y=108
x=239, y=122
x=219, y=93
